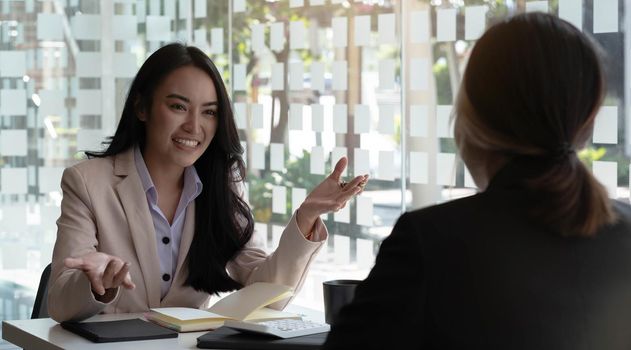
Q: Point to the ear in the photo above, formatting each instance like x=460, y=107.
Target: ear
x=141, y=114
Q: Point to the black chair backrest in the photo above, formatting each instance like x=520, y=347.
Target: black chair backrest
x=40, y=308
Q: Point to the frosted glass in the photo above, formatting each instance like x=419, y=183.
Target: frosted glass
x=607, y=174
x=342, y=247
x=419, y=27
x=277, y=36
x=317, y=161
x=50, y=179
x=446, y=169
x=13, y=143
x=258, y=37
x=418, y=120
x=277, y=157
x=88, y=102
x=386, y=27
x=256, y=110
x=125, y=27
x=362, y=162
x=340, y=118
x=419, y=166
x=386, y=166
x=443, y=126
x=475, y=22
x=362, y=30
x=12, y=64
x=125, y=65
x=317, y=118
x=446, y=25
x=386, y=74
x=364, y=211
x=240, y=114
x=89, y=65
x=216, y=38
x=12, y=102
x=238, y=71
x=419, y=74
x=297, y=35
x=50, y=26
x=605, y=16
x=295, y=116
x=468, y=179
x=365, y=253
x=86, y=27
x=340, y=76
x=296, y=73
x=362, y=119
x=279, y=199
x=238, y=5
x=386, y=119
x=89, y=140
x=572, y=11
x=158, y=28
x=537, y=6
x=200, y=9
x=278, y=76
x=339, y=25
x=199, y=38
x=52, y=102
x=606, y=125
x=258, y=156
x=13, y=181
x=317, y=76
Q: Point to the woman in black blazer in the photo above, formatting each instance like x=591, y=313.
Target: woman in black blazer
x=541, y=258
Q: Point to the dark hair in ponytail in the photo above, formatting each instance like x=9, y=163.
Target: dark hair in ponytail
x=223, y=221
x=532, y=87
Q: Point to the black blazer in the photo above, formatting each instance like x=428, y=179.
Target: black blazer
x=477, y=273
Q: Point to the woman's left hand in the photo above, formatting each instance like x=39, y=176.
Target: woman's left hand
x=330, y=195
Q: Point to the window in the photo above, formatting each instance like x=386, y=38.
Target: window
x=311, y=81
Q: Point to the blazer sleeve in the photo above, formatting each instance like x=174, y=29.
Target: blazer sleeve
x=387, y=310
x=69, y=294
x=287, y=265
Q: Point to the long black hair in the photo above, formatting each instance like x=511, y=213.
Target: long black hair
x=223, y=221
x=532, y=87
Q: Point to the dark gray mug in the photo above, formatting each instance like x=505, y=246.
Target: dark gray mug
x=337, y=293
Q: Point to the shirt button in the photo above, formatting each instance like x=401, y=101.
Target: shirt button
x=166, y=277
x=166, y=240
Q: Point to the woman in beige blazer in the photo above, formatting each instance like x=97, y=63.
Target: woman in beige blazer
x=160, y=213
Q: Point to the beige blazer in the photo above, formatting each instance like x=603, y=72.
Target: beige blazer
x=104, y=208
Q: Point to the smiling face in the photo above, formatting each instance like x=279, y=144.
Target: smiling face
x=183, y=118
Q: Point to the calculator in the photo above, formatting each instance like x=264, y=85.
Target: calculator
x=281, y=328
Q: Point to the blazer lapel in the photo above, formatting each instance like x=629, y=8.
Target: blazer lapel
x=134, y=201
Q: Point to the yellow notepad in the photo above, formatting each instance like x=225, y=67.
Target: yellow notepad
x=246, y=304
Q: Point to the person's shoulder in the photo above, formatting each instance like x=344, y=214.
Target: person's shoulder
x=94, y=166
x=447, y=209
x=437, y=218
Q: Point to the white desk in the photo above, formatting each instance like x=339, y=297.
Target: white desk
x=46, y=334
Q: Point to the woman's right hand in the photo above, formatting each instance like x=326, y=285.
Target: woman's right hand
x=105, y=273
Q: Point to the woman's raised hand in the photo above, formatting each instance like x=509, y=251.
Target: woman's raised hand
x=105, y=272
x=332, y=194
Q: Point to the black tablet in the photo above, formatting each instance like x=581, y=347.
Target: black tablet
x=123, y=330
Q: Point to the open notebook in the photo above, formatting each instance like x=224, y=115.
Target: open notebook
x=247, y=303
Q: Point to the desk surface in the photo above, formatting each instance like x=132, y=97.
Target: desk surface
x=46, y=334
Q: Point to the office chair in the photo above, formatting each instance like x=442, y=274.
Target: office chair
x=40, y=308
